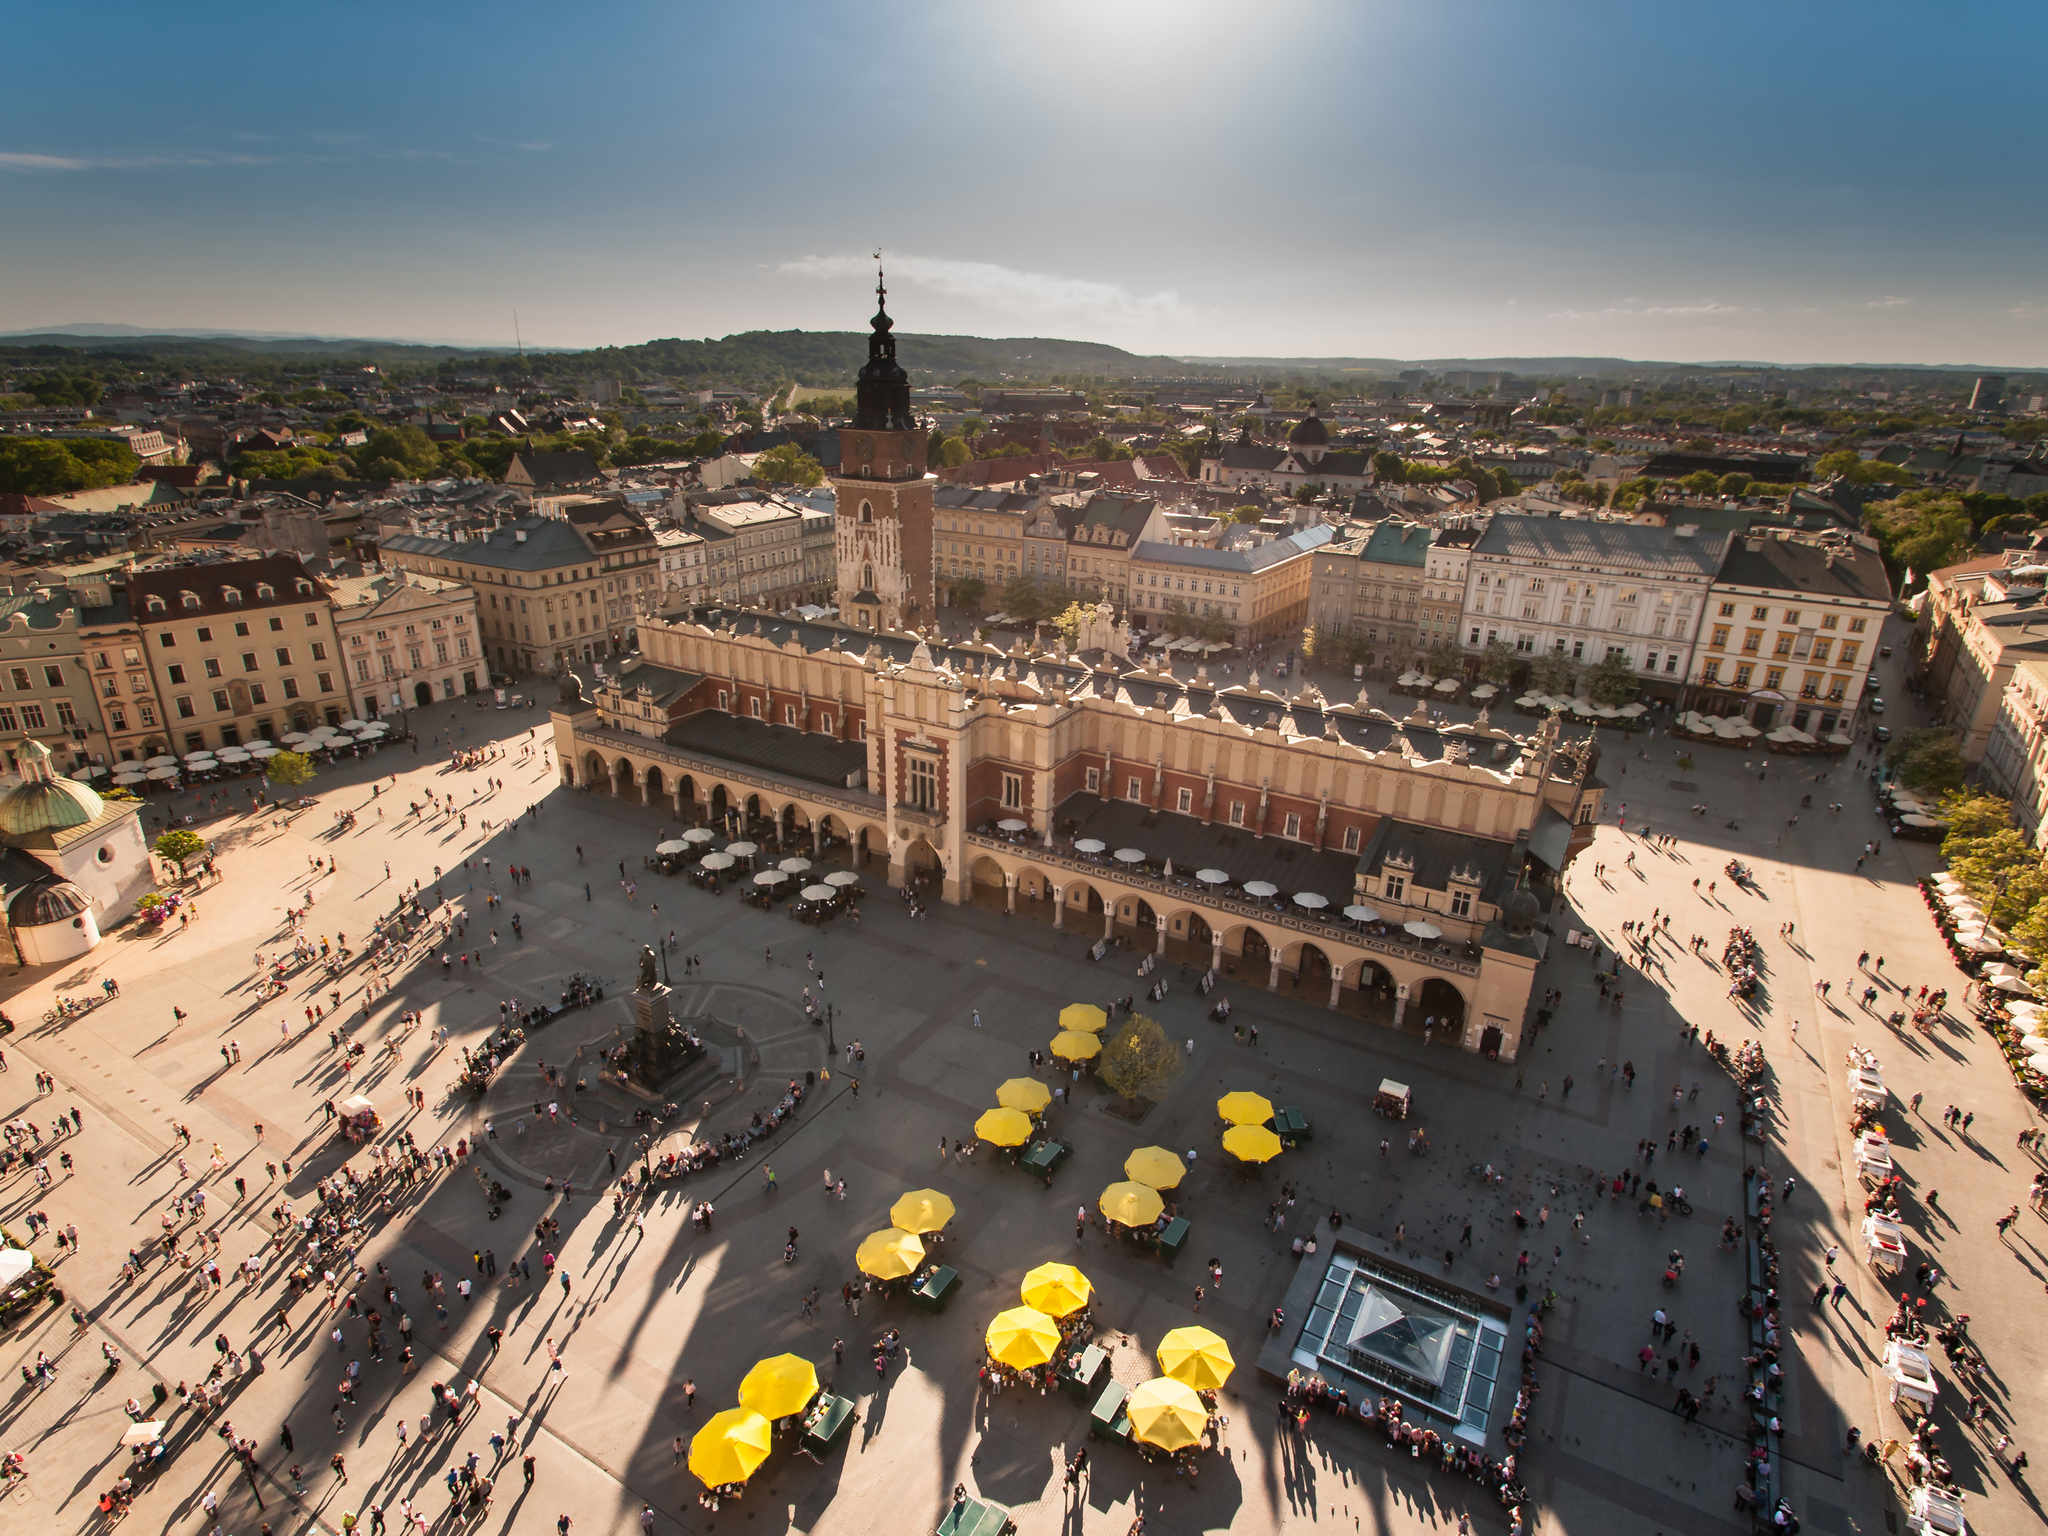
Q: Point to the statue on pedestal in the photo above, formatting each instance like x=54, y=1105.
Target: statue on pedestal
x=649, y=978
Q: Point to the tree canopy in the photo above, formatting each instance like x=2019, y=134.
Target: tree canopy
x=1139, y=1061
x=287, y=770
x=50, y=466
x=787, y=464
x=179, y=845
x=1927, y=762
x=1612, y=681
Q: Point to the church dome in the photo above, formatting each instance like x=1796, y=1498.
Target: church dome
x=43, y=902
x=44, y=802
x=881, y=394
x=1309, y=432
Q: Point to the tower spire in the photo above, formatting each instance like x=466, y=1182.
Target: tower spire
x=881, y=292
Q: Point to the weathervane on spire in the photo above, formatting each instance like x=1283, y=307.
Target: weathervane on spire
x=881, y=293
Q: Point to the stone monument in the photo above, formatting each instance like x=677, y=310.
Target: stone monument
x=659, y=1048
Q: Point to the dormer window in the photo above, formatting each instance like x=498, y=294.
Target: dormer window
x=302, y=586
x=231, y=595
x=155, y=604
x=189, y=599
x=265, y=592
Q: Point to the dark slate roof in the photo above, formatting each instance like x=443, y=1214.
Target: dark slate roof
x=1774, y=467
x=1394, y=543
x=778, y=748
x=1119, y=514
x=1438, y=852
x=1619, y=547
x=1239, y=561
x=1255, y=456
x=549, y=542
x=1341, y=462
x=1795, y=565
x=542, y=470
x=664, y=685
x=211, y=581
x=1194, y=844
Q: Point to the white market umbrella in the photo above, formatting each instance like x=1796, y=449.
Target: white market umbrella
x=129, y=779
x=234, y=754
x=1261, y=889
x=146, y=1433
x=795, y=864
x=163, y=773
x=1362, y=914
x=741, y=850
x=14, y=1263
x=1309, y=901
x=1632, y=711
x=1448, y=685
x=817, y=893
x=353, y=725
x=199, y=760
x=1484, y=691
x=2039, y=1061
x=771, y=877
x=842, y=878
x=1915, y=819
x=1130, y=855
x=161, y=761
x=717, y=861
x=1980, y=943
x=1212, y=876
x=2016, y=985
x=374, y=728
x=260, y=741
x=1526, y=701
x=264, y=752
x=1423, y=930
x=1089, y=845
x=698, y=835
x=1841, y=739
x=1012, y=824
x=673, y=845
x=1407, y=680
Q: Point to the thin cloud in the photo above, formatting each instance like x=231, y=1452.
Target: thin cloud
x=529, y=146
x=14, y=160
x=1889, y=301
x=988, y=282
x=1693, y=309
x=2031, y=310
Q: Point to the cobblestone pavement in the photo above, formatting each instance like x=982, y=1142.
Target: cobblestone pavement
x=653, y=1307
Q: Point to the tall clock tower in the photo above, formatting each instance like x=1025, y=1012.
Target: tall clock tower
x=884, y=512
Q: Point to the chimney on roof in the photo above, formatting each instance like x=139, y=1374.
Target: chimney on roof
x=519, y=535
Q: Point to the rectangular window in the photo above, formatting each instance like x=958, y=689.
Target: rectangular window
x=325, y=681
x=284, y=655
x=185, y=710
x=257, y=694
x=53, y=675
x=923, y=788
x=212, y=665
x=220, y=700
x=1292, y=826
x=119, y=717
x=1742, y=674
x=1237, y=813
x=312, y=619
x=319, y=647
x=1461, y=903
x=248, y=661
x=291, y=687
x=7, y=720
x=175, y=672
x=1093, y=779
x=276, y=625
x=1184, y=801
x=1713, y=670
x=1134, y=788
x=1720, y=641
x=32, y=717
x=1351, y=839
x=1774, y=677
x=203, y=634
x=1727, y=610
x=1392, y=886
x=789, y=714
x=1856, y=626
x=754, y=708
x=146, y=711
x=241, y=630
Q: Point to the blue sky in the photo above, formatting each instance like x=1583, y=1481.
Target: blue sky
x=1793, y=181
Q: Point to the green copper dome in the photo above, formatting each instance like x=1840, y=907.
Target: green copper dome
x=43, y=802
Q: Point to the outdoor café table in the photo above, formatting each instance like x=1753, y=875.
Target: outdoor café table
x=936, y=1288
x=1292, y=1124
x=1107, y=1419
x=1080, y=1377
x=826, y=1423
x=971, y=1517
x=1172, y=1237
x=1045, y=1157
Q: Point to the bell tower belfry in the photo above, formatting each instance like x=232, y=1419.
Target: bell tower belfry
x=884, y=502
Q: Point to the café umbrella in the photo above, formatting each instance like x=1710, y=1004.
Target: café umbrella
x=1195, y=1357
x=1130, y=855
x=1310, y=901
x=1027, y=1094
x=717, y=861
x=1244, y=1107
x=1003, y=1127
x=1056, y=1289
x=146, y=1433
x=922, y=1210
x=841, y=878
x=1074, y=1045
x=771, y=877
x=1251, y=1143
x=742, y=849
x=1213, y=876
x=1359, y=913
x=1089, y=845
x=1012, y=824
x=779, y=1387
x=673, y=846
x=889, y=1254
x=1261, y=889
x=1155, y=1167
x=1423, y=930
x=699, y=835
x=795, y=864
x=1085, y=1017
x=1130, y=1204
x=1022, y=1337
x=730, y=1447
x=1166, y=1413
x=818, y=893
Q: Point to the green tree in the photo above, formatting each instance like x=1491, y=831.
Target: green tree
x=1245, y=512
x=969, y=592
x=42, y=466
x=953, y=452
x=1922, y=530
x=787, y=464
x=179, y=846
x=1444, y=658
x=1734, y=484
x=1308, y=643
x=1389, y=468
x=1497, y=663
x=1927, y=762
x=1555, y=675
x=1068, y=620
x=288, y=770
x=1702, y=482
x=1848, y=464
x=1612, y=681
x=1139, y=1063
x=1970, y=817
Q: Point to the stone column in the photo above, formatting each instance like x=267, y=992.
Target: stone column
x=1108, y=918
x=817, y=836
x=1010, y=892
x=1059, y=906
x=1336, y=987
x=1160, y=947
x=1400, y=1003
x=1273, y=974
x=1216, y=952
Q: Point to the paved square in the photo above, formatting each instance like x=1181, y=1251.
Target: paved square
x=658, y=1302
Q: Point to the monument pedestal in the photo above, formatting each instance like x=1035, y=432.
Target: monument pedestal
x=660, y=1050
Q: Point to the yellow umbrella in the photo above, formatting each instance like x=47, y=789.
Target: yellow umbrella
x=1166, y=1413
x=1022, y=1336
x=1025, y=1093
x=922, y=1210
x=1196, y=1357
x=730, y=1447
x=1131, y=1205
x=1251, y=1143
x=1159, y=1167
x=1004, y=1127
x=1056, y=1289
x=889, y=1254
x=1085, y=1017
x=1242, y=1108
x=783, y=1385
x=1073, y=1045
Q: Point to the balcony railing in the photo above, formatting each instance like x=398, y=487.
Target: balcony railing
x=1335, y=928
x=856, y=802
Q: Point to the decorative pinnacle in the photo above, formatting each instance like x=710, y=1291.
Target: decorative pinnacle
x=881, y=292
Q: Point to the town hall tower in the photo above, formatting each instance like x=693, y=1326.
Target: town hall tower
x=884, y=510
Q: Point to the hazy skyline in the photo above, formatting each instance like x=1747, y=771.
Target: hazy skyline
x=1813, y=183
